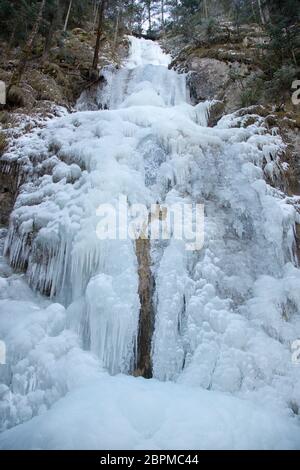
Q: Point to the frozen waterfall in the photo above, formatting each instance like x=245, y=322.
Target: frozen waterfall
x=144, y=80
x=225, y=317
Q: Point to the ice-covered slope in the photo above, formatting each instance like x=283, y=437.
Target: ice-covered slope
x=125, y=413
x=225, y=316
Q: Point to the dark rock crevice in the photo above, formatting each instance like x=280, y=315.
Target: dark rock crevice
x=9, y=179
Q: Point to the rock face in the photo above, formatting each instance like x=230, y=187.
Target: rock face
x=216, y=111
x=6, y=203
x=207, y=78
x=147, y=315
x=290, y=132
x=219, y=62
x=213, y=79
x=8, y=188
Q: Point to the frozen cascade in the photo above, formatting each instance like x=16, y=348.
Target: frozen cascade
x=145, y=80
x=225, y=316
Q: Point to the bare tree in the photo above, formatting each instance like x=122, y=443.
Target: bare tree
x=99, y=33
x=261, y=13
x=163, y=14
x=68, y=16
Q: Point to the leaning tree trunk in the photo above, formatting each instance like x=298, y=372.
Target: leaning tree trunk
x=27, y=50
x=261, y=13
x=68, y=16
x=99, y=33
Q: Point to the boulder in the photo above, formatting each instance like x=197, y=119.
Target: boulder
x=216, y=111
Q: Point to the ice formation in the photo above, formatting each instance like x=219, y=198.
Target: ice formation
x=225, y=317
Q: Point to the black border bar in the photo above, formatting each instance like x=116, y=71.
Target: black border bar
x=136, y=459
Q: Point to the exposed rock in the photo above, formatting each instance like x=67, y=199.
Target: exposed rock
x=46, y=87
x=212, y=79
x=257, y=110
x=146, y=322
x=298, y=241
x=3, y=143
x=216, y=111
x=221, y=60
x=8, y=189
x=16, y=96
x=207, y=79
x=292, y=157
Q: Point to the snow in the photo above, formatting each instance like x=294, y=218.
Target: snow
x=225, y=316
x=125, y=413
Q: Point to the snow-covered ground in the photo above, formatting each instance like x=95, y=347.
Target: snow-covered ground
x=125, y=413
x=225, y=316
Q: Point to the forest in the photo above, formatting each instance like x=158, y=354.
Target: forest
x=22, y=20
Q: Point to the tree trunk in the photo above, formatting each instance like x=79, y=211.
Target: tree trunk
x=55, y=26
x=49, y=37
x=205, y=9
x=99, y=33
x=95, y=15
x=261, y=13
x=11, y=39
x=117, y=28
x=253, y=11
x=68, y=16
x=149, y=16
x=176, y=14
x=17, y=75
x=163, y=14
